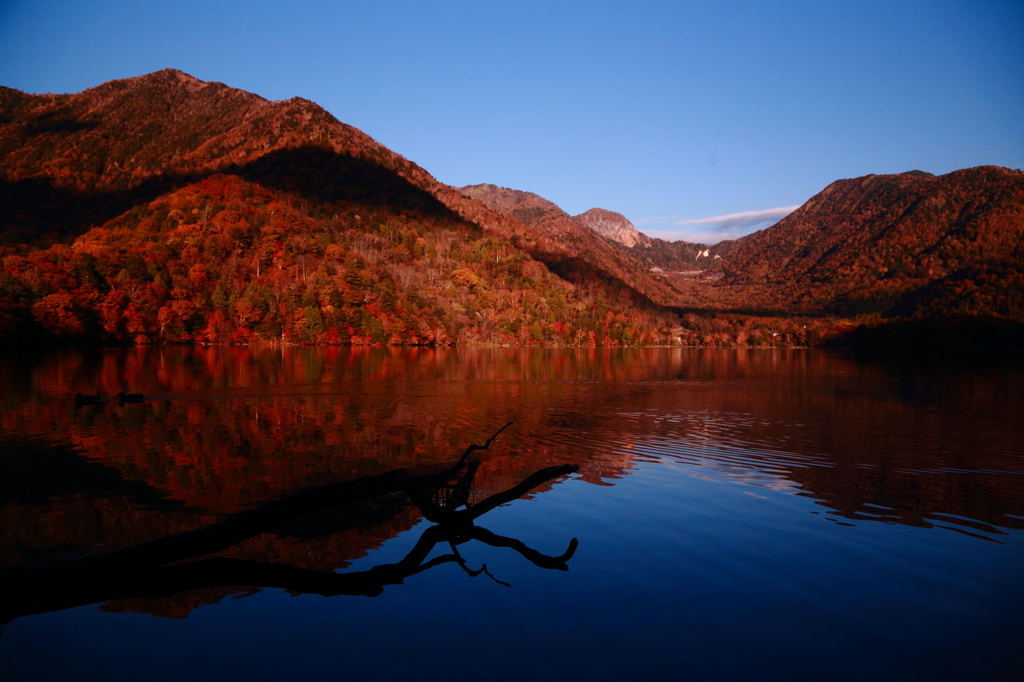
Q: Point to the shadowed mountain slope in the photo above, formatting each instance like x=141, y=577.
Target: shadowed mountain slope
x=201, y=212
x=164, y=208
x=99, y=152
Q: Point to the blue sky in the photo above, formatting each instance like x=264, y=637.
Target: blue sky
x=668, y=112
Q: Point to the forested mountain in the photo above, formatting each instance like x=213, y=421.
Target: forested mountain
x=166, y=209
x=669, y=262
x=162, y=208
x=907, y=244
x=574, y=250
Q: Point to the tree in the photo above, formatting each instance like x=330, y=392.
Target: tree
x=154, y=568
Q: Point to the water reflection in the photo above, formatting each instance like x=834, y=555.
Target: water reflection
x=154, y=569
x=924, y=442
x=240, y=577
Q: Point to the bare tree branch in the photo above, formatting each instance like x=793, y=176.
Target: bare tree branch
x=143, y=570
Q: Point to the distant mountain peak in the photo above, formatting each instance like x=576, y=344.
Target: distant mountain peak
x=614, y=226
x=169, y=73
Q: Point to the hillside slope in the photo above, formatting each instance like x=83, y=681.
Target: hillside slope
x=86, y=158
x=881, y=242
x=162, y=208
x=576, y=248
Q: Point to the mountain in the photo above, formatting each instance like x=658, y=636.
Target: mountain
x=574, y=250
x=681, y=260
x=907, y=244
x=663, y=270
x=164, y=208
x=614, y=226
x=71, y=162
x=526, y=207
x=167, y=209
x=676, y=259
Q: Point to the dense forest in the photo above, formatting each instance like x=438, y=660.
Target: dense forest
x=225, y=260
x=164, y=209
x=904, y=245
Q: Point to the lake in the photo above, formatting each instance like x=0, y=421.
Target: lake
x=740, y=514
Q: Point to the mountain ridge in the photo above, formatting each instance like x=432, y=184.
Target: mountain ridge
x=864, y=243
x=106, y=195
x=191, y=205
x=576, y=246
x=248, y=128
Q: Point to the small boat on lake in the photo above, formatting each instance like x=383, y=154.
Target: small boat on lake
x=123, y=397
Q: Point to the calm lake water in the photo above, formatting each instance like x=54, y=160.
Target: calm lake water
x=740, y=514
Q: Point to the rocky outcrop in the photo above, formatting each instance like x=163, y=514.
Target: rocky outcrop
x=614, y=226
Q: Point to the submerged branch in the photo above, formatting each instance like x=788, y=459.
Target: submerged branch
x=144, y=570
x=42, y=593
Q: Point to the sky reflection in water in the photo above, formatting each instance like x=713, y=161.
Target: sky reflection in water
x=741, y=514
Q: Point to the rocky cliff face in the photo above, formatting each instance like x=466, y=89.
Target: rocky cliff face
x=614, y=226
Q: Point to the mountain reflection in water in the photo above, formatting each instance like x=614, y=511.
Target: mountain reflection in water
x=926, y=443
x=174, y=564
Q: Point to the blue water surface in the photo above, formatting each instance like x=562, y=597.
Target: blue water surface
x=725, y=543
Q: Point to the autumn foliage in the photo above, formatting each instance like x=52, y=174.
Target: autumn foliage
x=225, y=260
x=910, y=244
x=163, y=209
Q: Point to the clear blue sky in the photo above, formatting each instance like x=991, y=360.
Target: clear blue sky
x=667, y=112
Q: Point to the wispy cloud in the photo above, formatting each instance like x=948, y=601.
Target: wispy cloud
x=712, y=230
x=744, y=219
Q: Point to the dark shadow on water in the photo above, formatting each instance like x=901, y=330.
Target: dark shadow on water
x=61, y=590
x=182, y=563
x=32, y=473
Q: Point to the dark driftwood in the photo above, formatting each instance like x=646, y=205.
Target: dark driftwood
x=143, y=570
